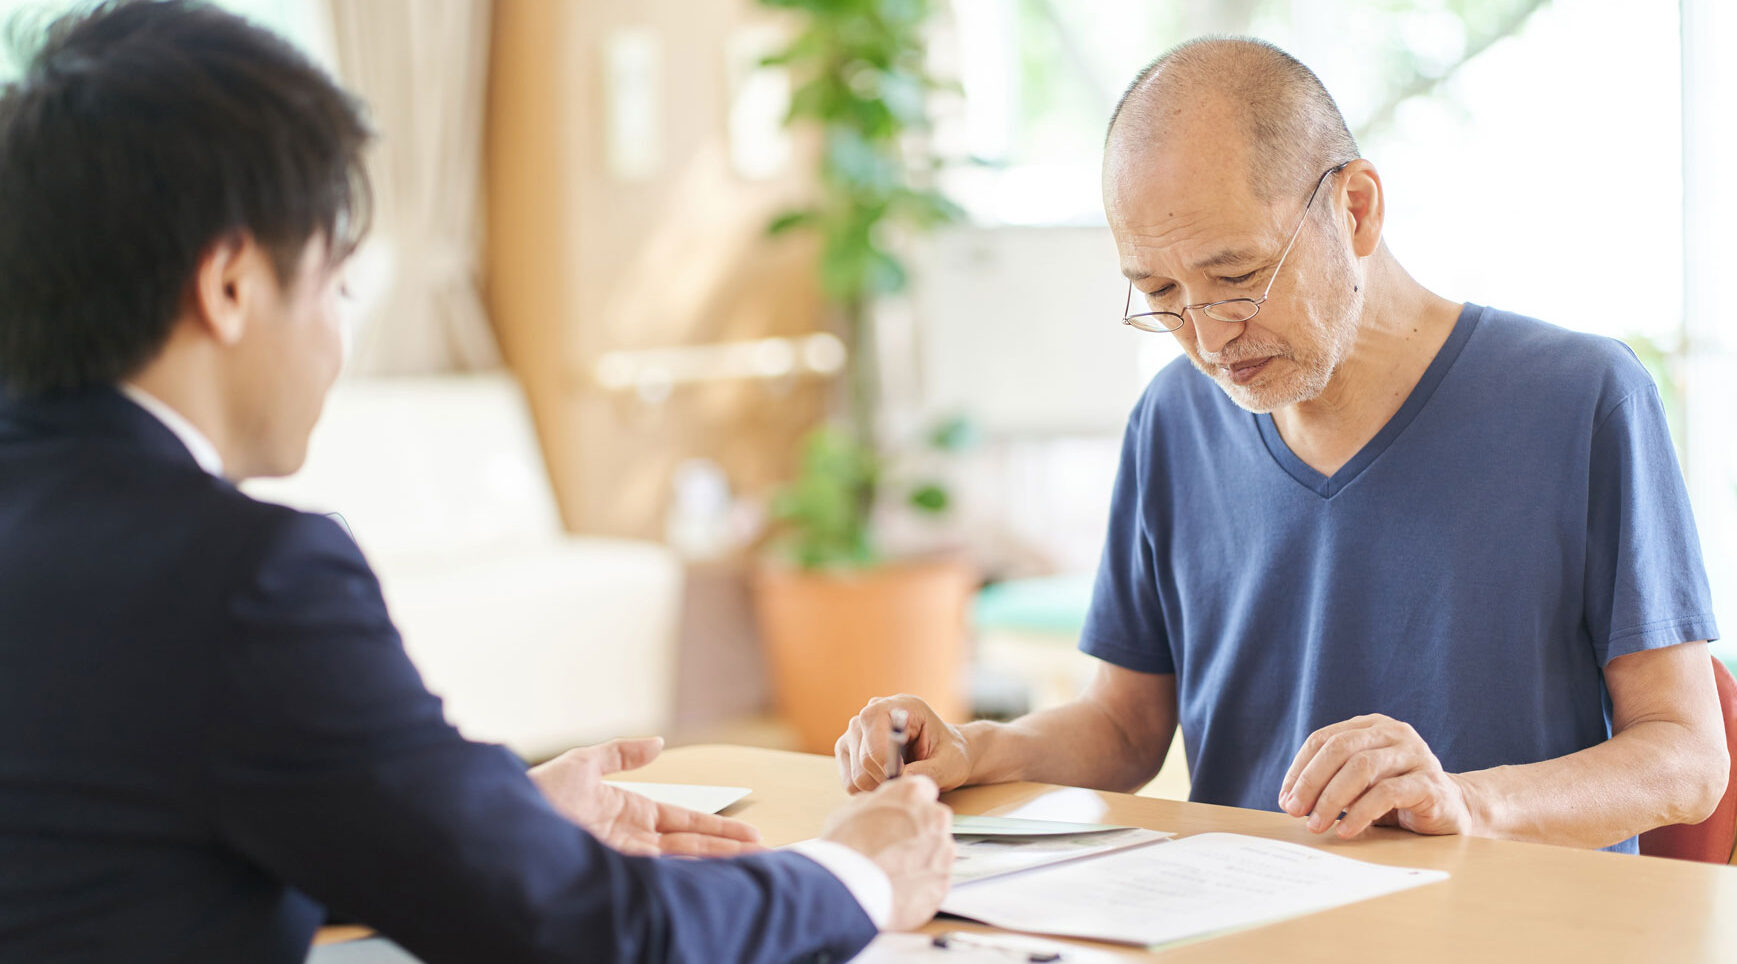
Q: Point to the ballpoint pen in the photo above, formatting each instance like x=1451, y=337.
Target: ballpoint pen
x=1014, y=945
x=896, y=745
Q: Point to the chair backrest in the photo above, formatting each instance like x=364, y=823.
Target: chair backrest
x=1713, y=840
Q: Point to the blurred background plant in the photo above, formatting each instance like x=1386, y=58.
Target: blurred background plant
x=863, y=80
x=821, y=511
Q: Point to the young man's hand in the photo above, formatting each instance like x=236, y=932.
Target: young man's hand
x=573, y=783
x=909, y=835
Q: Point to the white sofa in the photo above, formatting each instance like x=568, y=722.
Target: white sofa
x=535, y=638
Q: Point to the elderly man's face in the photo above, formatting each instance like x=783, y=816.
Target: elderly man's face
x=1190, y=230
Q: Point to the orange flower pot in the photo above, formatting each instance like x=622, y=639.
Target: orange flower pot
x=835, y=640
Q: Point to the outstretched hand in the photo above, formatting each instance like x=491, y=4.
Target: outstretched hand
x=573, y=783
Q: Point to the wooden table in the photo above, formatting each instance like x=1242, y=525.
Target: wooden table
x=1505, y=901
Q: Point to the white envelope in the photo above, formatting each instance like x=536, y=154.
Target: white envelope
x=692, y=796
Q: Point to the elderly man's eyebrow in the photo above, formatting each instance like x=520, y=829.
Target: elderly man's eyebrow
x=1217, y=259
x=1224, y=257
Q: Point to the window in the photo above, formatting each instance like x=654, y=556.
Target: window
x=303, y=22
x=1500, y=127
x=1705, y=351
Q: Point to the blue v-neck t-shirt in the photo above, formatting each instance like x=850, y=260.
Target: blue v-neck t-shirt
x=1519, y=523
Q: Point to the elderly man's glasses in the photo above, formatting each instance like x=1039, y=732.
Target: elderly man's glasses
x=1231, y=310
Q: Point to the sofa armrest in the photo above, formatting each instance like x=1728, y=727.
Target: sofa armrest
x=547, y=645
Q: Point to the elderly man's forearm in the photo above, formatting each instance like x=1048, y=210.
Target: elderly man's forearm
x=1652, y=774
x=1078, y=744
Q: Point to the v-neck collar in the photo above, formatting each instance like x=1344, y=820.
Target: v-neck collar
x=1327, y=486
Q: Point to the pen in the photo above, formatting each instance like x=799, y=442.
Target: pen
x=896, y=744
x=1009, y=944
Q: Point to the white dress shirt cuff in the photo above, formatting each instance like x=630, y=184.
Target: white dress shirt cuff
x=865, y=880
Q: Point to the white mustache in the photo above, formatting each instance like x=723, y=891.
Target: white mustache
x=1226, y=361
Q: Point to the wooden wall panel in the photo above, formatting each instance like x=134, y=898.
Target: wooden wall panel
x=580, y=262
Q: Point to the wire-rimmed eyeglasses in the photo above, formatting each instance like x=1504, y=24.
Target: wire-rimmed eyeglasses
x=1233, y=311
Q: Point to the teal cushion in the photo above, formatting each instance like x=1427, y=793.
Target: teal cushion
x=1052, y=604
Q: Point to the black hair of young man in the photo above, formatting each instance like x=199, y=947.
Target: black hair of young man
x=141, y=133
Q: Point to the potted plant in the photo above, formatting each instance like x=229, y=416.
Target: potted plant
x=843, y=623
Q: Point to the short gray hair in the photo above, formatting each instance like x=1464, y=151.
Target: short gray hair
x=1294, y=129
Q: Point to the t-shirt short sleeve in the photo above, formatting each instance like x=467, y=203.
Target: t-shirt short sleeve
x=1645, y=584
x=1125, y=623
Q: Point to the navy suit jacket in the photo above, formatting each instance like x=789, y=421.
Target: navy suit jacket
x=209, y=729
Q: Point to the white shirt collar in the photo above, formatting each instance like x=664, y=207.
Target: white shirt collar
x=197, y=444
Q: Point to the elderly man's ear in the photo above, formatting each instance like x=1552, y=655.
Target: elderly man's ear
x=1366, y=205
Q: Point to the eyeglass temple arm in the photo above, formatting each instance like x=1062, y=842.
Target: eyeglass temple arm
x=1298, y=230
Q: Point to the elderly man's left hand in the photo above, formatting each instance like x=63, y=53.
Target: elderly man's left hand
x=1373, y=769
x=573, y=782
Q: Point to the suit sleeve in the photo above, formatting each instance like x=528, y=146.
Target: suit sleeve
x=337, y=772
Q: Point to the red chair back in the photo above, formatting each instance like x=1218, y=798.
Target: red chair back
x=1714, y=839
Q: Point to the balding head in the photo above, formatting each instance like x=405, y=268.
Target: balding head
x=1208, y=172
x=1234, y=98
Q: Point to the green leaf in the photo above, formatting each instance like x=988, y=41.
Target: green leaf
x=790, y=220
x=902, y=94
x=802, y=47
x=885, y=275
x=844, y=266
x=954, y=434
x=826, y=509
x=927, y=208
x=930, y=498
x=860, y=164
x=817, y=99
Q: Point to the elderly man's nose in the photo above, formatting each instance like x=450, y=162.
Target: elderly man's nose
x=1211, y=334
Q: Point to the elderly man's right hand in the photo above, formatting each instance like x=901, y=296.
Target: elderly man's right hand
x=932, y=747
x=908, y=833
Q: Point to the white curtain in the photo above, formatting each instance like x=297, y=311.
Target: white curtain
x=422, y=67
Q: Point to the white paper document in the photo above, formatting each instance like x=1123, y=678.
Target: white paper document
x=692, y=796
x=979, y=949
x=970, y=824
x=1178, y=889
x=981, y=857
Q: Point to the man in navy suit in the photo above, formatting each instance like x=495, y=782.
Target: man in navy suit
x=210, y=725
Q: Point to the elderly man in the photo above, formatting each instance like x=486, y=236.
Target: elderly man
x=1385, y=557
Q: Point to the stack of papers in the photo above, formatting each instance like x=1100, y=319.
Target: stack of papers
x=993, y=846
x=1117, y=883
x=1156, y=893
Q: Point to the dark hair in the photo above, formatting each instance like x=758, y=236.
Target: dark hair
x=1294, y=129
x=141, y=133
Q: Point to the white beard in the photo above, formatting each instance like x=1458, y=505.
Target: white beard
x=1329, y=332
